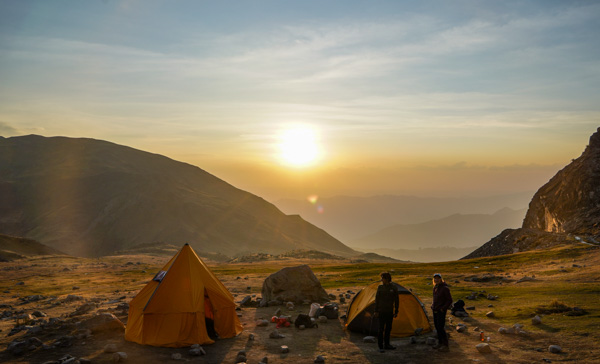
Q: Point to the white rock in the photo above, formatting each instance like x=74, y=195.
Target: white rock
x=370, y=339
x=176, y=356
x=484, y=348
x=323, y=319
x=536, y=320
x=490, y=314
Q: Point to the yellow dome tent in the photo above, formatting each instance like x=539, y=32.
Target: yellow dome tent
x=173, y=308
x=411, y=313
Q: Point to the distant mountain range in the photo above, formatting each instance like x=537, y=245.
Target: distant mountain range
x=563, y=211
x=353, y=218
x=425, y=255
x=88, y=197
x=458, y=230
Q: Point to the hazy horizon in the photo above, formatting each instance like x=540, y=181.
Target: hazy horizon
x=291, y=100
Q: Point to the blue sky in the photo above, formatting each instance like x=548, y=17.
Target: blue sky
x=392, y=88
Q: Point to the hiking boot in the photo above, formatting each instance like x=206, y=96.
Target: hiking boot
x=390, y=347
x=444, y=348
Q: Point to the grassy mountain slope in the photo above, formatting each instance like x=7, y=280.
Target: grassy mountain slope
x=89, y=197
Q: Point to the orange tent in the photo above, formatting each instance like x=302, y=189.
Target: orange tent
x=171, y=310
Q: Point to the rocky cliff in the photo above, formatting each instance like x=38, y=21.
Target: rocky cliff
x=567, y=206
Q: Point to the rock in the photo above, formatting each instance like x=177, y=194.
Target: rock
x=294, y=284
x=262, y=323
x=413, y=340
x=119, y=356
x=103, y=322
x=431, y=341
x=278, y=312
x=251, y=336
x=285, y=349
x=319, y=359
x=110, y=348
x=342, y=300
x=490, y=314
x=322, y=319
x=35, y=342
x=246, y=301
x=240, y=358
x=264, y=360
x=290, y=306
x=554, y=349
x=461, y=328
x=75, y=288
x=64, y=341
x=470, y=308
x=526, y=279
x=176, y=356
x=72, y=297
x=301, y=327
x=369, y=339
x=275, y=334
x=536, y=320
x=197, y=350
x=484, y=348
x=18, y=347
x=39, y=314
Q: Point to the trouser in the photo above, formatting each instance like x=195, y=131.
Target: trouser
x=385, y=328
x=439, y=320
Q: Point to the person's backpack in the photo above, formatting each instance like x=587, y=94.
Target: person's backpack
x=330, y=310
x=458, y=309
x=304, y=319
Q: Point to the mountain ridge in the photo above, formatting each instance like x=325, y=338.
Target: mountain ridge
x=91, y=197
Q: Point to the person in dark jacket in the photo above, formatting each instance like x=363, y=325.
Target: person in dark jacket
x=386, y=308
x=442, y=300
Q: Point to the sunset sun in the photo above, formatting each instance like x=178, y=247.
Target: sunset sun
x=298, y=146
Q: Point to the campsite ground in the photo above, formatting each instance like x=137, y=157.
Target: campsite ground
x=567, y=275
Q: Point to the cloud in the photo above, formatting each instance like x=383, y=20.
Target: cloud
x=7, y=130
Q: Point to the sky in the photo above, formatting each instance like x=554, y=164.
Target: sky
x=287, y=99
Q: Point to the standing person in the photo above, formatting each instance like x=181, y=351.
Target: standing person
x=442, y=300
x=386, y=308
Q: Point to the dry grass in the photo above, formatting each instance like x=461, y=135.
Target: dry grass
x=563, y=278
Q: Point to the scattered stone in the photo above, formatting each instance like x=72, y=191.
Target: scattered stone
x=251, y=336
x=262, y=323
x=490, y=305
x=73, y=297
x=197, y=350
x=319, y=359
x=536, y=320
x=431, y=341
x=413, y=340
x=119, y=356
x=246, y=301
x=285, y=349
x=110, y=348
x=369, y=339
x=39, y=314
x=278, y=312
x=75, y=288
x=461, y=328
x=322, y=319
x=176, y=356
x=264, y=360
x=301, y=327
x=526, y=279
x=275, y=334
x=64, y=341
x=18, y=347
x=554, y=349
x=470, y=308
x=20, y=284
x=490, y=314
x=491, y=297
x=342, y=300
x=241, y=358
x=290, y=306
x=484, y=348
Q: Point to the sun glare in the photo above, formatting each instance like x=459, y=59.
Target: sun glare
x=298, y=146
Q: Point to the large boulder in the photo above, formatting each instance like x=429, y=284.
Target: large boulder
x=294, y=284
